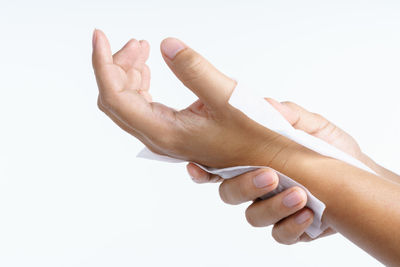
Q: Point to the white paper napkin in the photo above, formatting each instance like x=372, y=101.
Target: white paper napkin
x=259, y=110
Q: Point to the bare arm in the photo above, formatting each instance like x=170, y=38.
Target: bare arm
x=360, y=205
x=357, y=202
x=289, y=223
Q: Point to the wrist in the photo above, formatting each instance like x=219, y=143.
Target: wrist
x=305, y=166
x=287, y=156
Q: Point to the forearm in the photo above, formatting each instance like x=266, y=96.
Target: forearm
x=361, y=206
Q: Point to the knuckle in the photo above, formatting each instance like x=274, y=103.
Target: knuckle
x=133, y=42
x=284, y=235
x=244, y=191
x=280, y=238
x=287, y=102
x=250, y=217
x=275, y=235
x=318, y=116
x=276, y=206
x=223, y=194
x=324, y=124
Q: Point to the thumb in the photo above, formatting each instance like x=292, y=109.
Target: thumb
x=101, y=50
x=195, y=72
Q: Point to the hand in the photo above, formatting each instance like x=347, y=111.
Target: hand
x=210, y=132
x=198, y=133
x=290, y=221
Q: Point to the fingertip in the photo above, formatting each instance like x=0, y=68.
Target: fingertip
x=132, y=42
x=97, y=30
x=266, y=178
x=101, y=48
x=294, y=198
x=291, y=229
x=144, y=44
x=171, y=46
x=250, y=218
x=279, y=106
x=189, y=168
x=272, y=101
x=284, y=110
x=302, y=195
x=272, y=172
x=97, y=35
x=145, y=48
x=198, y=175
x=94, y=37
x=275, y=184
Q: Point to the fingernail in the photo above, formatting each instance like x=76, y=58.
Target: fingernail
x=264, y=179
x=94, y=37
x=171, y=46
x=303, y=217
x=293, y=199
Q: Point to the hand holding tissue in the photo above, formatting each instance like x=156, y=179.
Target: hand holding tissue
x=223, y=132
x=263, y=113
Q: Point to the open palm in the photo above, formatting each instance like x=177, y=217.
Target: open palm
x=197, y=133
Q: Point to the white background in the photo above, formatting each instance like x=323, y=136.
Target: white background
x=72, y=192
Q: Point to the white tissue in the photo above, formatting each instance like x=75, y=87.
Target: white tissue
x=259, y=110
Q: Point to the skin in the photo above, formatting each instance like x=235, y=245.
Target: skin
x=357, y=202
x=242, y=188
x=123, y=81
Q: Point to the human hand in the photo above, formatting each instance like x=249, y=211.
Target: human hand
x=290, y=221
x=198, y=133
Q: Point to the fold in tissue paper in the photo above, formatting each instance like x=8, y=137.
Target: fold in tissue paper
x=259, y=110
